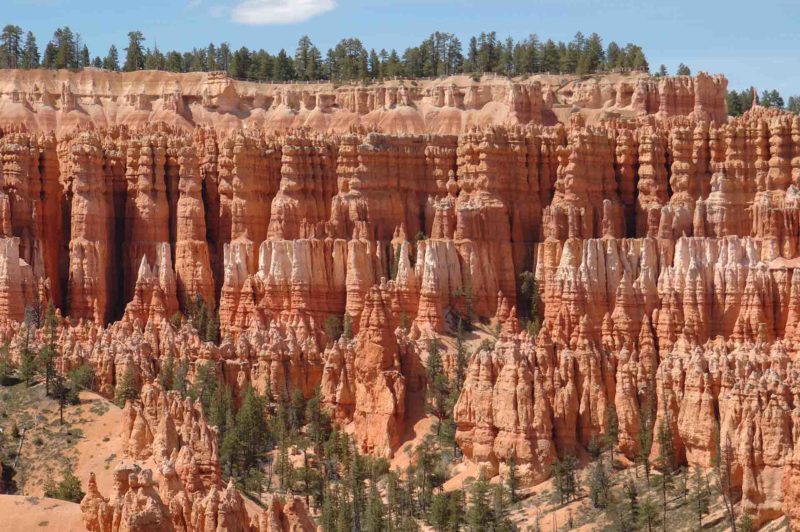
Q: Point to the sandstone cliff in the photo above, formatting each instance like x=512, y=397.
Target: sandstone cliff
x=663, y=238
x=63, y=101
x=186, y=493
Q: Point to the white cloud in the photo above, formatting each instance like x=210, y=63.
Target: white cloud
x=191, y=4
x=261, y=12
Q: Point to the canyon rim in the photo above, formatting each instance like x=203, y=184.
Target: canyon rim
x=300, y=302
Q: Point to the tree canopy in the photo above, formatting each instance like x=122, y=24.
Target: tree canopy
x=440, y=54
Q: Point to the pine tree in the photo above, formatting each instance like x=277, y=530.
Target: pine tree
x=347, y=326
x=438, y=385
x=281, y=420
x=30, y=52
x=613, y=56
x=6, y=369
x=586, y=61
x=529, y=302
x=68, y=489
x=683, y=70
x=636, y=58
x=79, y=378
x=329, y=514
x=66, y=48
x=310, y=482
x=134, y=55
x=564, y=477
x=499, y=517
x=166, y=376
x=512, y=481
x=181, y=384
x=479, y=513
x=223, y=56
x=570, y=56
x=252, y=432
x=375, y=513
x=645, y=437
x=734, y=103
x=507, y=66
x=648, y=515
x=394, y=66
x=701, y=496
x=49, y=59
x=793, y=104
x=297, y=411
x=126, y=389
x=283, y=465
x=11, y=46
x=61, y=395
x=46, y=362
x=595, y=447
x=319, y=424
x=85, y=60
x=212, y=328
x=467, y=297
x=355, y=485
x=307, y=60
x=471, y=65
x=154, y=60
x=665, y=463
x=461, y=359
x=771, y=99
x=283, y=70
x=683, y=485
x=457, y=504
x=205, y=384
x=439, y=514
x=723, y=467
x=211, y=57
x=111, y=62
x=221, y=415
x=333, y=328
x=427, y=472
x=746, y=523
x=593, y=56
x=599, y=485
x=28, y=362
x=173, y=62
x=632, y=495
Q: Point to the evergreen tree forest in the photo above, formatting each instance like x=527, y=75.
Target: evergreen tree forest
x=441, y=54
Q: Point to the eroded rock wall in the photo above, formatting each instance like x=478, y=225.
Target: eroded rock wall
x=65, y=101
x=664, y=246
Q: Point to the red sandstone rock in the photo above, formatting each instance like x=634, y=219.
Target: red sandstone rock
x=283, y=231
x=363, y=381
x=186, y=493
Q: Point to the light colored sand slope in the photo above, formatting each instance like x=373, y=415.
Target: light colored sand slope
x=31, y=514
x=99, y=449
x=88, y=440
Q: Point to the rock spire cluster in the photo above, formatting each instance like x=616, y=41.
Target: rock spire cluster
x=662, y=235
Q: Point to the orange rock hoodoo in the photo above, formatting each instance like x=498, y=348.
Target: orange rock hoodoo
x=663, y=237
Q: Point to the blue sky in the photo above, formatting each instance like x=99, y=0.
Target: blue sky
x=751, y=42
